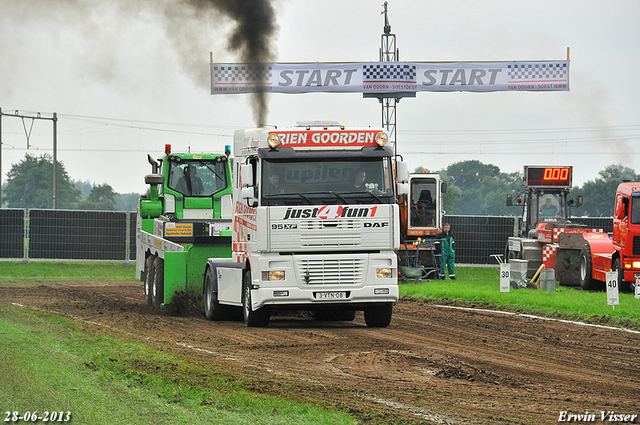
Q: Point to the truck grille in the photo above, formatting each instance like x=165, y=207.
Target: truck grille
x=331, y=271
x=636, y=245
x=331, y=233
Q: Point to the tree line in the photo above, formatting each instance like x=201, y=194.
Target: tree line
x=474, y=188
x=30, y=185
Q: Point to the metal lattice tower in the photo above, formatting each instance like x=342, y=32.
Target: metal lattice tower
x=389, y=53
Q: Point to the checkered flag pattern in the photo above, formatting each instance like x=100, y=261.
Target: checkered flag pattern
x=538, y=71
x=241, y=73
x=389, y=72
x=558, y=230
x=548, y=252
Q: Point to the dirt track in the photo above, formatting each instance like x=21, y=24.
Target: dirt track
x=432, y=365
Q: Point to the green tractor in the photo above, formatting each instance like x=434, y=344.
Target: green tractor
x=185, y=219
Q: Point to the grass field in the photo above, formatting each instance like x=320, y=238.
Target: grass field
x=480, y=287
x=49, y=363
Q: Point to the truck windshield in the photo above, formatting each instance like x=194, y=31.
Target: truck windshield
x=197, y=177
x=635, y=209
x=327, y=181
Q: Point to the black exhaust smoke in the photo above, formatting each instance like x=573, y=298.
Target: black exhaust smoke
x=251, y=39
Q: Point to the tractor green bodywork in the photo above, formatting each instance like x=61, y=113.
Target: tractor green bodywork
x=185, y=262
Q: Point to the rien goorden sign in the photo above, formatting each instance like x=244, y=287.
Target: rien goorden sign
x=309, y=138
x=381, y=77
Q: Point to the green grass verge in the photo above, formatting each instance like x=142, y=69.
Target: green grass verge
x=49, y=363
x=15, y=273
x=480, y=287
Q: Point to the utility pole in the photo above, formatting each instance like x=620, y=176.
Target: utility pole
x=54, y=119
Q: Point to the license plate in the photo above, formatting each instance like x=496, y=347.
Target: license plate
x=331, y=295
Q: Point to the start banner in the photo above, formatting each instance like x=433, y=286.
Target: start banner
x=390, y=77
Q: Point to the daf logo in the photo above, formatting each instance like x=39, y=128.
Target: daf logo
x=374, y=224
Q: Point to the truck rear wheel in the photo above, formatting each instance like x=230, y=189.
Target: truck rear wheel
x=378, y=316
x=158, y=282
x=212, y=308
x=148, y=280
x=252, y=318
x=586, y=269
x=624, y=286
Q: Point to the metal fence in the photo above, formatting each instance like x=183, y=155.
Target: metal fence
x=67, y=235
x=478, y=237
x=111, y=235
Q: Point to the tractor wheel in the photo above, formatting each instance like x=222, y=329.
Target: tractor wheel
x=253, y=319
x=149, y=271
x=212, y=308
x=158, y=282
x=378, y=316
x=586, y=268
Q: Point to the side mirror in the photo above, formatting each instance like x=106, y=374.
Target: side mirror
x=247, y=192
x=580, y=200
x=402, y=172
x=403, y=188
x=509, y=200
x=246, y=174
x=443, y=188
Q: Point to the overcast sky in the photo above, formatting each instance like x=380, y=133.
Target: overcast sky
x=126, y=77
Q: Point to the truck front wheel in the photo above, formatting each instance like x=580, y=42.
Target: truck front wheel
x=378, y=316
x=212, y=308
x=254, y=319
x=586, y=280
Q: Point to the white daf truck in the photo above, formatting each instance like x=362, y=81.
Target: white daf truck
x=315, y=225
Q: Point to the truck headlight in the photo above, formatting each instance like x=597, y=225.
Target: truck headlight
x=273, y=275
x=384, y=273
x=636, y=264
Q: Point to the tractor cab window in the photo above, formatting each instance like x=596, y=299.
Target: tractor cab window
x=550, y=207
x=423, y=208
x=197, y=177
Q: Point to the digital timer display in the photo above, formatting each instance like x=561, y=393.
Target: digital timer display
x=548, y=176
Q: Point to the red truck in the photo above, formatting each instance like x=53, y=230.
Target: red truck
x=593, y=254
x=578, y=255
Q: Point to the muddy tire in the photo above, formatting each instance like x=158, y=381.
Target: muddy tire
x=586, y=269
x=149, y=271
x=212, y=308
x=378, y=316
x=252, y=318
x=158, y=282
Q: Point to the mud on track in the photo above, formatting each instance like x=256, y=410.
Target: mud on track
x=431, y=365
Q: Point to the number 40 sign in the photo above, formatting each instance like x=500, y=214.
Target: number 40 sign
x=612, y=289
